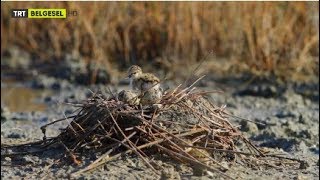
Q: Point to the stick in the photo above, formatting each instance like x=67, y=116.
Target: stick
x=131, y=144
x=103, y=161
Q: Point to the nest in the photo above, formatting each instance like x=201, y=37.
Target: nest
x=184, y=126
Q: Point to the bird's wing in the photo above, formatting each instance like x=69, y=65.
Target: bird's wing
x=150, y=78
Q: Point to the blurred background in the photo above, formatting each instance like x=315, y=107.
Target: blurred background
x=269, y=41
x=278, y=39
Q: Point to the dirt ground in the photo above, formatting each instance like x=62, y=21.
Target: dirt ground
x=291, y=119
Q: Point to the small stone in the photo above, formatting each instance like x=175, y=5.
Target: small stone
x=44, y=119
x=301, y=177
x=29, y=169
x=47, y=99
x=198, y=171
x=305, y=134
x=28, y=159
x=307, y=102
x=7, y=159
x=55, y=86
x=284, y=114
x=302, y=119
x=303, y=147
x=169, y=173
x=15, y=135
x=225, y=164
x=249, y=127
x=304, y=165
x=273, y=89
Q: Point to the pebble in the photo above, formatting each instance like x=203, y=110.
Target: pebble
x=304, y=165
x=16, y=135
x=303, y=147
x=169, y=173
x=284, y=114
x=249, y=127
x=28, y=159
x=301, y=177
x=7, y=159
x=47, y=99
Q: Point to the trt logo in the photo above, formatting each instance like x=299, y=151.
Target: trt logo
x=19, y=13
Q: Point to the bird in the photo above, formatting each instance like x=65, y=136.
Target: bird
x=152, y=96
x=128, y=97
x=134, y=72
x=140, y=80
x=147, y=84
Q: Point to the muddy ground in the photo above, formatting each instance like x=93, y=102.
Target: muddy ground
x=290, y=114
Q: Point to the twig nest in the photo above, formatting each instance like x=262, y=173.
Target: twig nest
x=186, y=113
x=186, y=127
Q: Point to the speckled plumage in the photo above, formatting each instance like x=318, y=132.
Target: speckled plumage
x=151, y=96
x=147, y=84
x=129, y=97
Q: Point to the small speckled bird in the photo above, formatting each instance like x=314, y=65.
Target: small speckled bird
x=146, y=83
x=129, y=97
x=140, y=80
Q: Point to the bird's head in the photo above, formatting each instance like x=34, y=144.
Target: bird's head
x=134, y=71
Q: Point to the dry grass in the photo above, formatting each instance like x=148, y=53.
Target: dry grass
x=280, y=38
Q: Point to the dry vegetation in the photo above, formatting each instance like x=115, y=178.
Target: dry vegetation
x=186, y=127
x=279, y=38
